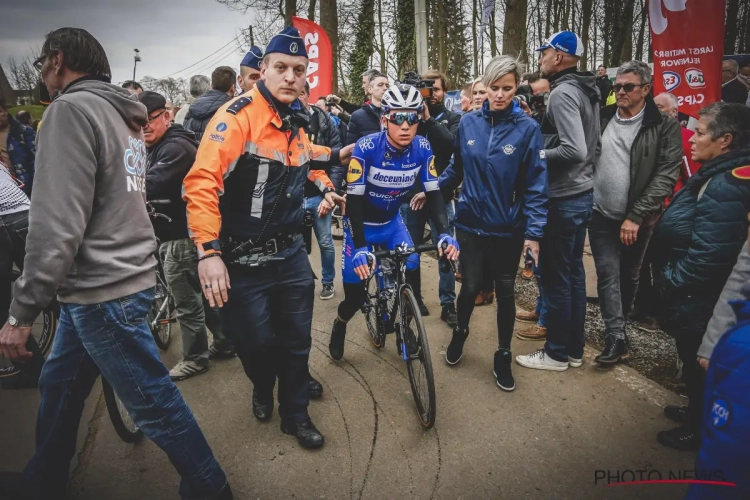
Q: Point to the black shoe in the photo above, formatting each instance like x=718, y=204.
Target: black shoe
x=676, y=413
x=316, y=388
x=448, y=314
x=680, y=438
x=614, y=351
x=338, y=335
x=455, y=349
x=13, y=487
x=216, y=353
x=502, y=371
x=423, y=308
x=226, y=493
x=305, y=432
x=262, y=408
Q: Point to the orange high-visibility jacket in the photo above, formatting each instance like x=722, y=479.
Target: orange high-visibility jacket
x=240, y=169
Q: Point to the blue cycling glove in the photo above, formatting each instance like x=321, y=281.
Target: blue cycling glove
x=360, y=257
x=448, y=240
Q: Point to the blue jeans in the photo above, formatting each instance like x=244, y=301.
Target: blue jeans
x=113, y=338
x=563, y=276
x=541, y=304
x=415, y=221
x=322, y=228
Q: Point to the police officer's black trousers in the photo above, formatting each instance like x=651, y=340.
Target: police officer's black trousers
x=269, y=316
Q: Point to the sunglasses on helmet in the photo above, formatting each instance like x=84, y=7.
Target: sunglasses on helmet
x=399, y=118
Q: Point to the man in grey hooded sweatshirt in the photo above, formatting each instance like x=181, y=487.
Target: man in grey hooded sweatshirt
x=571, y=139
x=91, y=241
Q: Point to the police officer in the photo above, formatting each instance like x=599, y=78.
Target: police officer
x=253, y=262
x=250, y=69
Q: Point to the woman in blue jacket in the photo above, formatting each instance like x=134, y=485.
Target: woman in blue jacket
x=502, y=207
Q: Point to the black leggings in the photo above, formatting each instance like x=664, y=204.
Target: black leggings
x=497, y=258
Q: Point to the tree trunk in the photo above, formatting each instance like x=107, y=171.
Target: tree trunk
x=493, y=36
x=515, y=29
x=359, y=59
x=311, y=10
x=290, y=9
x=731, y=26
x=586, y=7
x=381, y=49
x=548, y=17
x=624, y=48
x=329, y=21
x=474, y=16
x=641, y=32
x=406, y=56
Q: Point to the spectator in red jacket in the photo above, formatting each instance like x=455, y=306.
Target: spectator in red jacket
x=667, y=103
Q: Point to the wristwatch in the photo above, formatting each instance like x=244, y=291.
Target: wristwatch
x=212, y=246
x=14, y=322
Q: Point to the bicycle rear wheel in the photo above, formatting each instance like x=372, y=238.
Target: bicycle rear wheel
x=123, y=424
x=418, y=362
x=42, y=332
x=160, y=315
x=371, y=310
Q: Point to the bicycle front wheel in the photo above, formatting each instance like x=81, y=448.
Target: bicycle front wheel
x=371, y=309
x=123, y=424
x=418, y=360
x=160, y=316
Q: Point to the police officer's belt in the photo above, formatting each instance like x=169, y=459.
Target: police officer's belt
x=247, y=253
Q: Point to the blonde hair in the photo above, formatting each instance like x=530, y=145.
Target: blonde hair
x=500, y=66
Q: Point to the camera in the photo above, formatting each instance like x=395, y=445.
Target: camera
x=524, y=93
x=330, y=102
x=425, y=87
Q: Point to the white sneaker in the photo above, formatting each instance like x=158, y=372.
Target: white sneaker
x=575, y=363
x=185, y=369
x=540, y=361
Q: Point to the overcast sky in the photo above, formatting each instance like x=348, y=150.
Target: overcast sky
x=171, y=34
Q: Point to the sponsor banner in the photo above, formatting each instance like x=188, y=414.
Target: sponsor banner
x=452, y=101
x=688, y=41
x=320, y=67
x=392, y=179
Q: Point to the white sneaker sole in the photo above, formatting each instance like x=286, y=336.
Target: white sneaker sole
x=457, y=361
x=506, y=389
x=575, y=363
x=183, y=376
x=536, y=366
x=327, y=298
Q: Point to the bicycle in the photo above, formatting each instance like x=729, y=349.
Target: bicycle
x=161, y=315
x=392, y=307
x=40, y=341
x=160, y=319
x=337, y=224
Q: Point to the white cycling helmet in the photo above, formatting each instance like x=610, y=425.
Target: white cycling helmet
x=402, y=96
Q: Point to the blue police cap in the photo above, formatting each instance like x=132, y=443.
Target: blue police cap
x=253, y=58
x=287, y=42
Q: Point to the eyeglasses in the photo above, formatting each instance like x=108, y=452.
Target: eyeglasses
x=39, y=62
x=400, y=118
x=628, y=87
x=152, y=118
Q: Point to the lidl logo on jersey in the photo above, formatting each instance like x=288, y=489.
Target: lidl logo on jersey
x=392, y=179
x=135, y=165
x=355, y=171
x=431, y=169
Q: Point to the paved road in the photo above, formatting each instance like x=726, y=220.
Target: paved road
x=545, y=440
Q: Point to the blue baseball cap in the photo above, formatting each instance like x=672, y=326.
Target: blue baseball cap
x=564, y=41
x=253, y=58
x=287, y=42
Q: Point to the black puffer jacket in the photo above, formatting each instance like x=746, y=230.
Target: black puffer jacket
x=364, y=121
x=169, y=161
x=322, y=132
x=202, y=110
x=698, y=239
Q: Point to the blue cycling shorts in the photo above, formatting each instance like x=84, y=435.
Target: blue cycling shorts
x=383, y=236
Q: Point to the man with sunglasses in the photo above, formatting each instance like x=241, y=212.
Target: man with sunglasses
x=383, y=169
x=640, y=160
x=171, y=153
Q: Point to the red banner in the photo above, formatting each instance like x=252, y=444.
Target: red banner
x=688, y=45
x=320, y=68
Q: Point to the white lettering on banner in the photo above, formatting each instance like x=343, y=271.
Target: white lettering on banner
x=680, y=62
x=691, y=99
x=311, y=44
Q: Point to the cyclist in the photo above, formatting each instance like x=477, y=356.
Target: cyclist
x=383, y=169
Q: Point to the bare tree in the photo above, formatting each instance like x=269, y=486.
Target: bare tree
x=22, y=74
x=515, y=28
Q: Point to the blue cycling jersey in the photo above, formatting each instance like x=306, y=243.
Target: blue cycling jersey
x=384, y=174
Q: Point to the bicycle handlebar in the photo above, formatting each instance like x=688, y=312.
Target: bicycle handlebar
x=159, y=202
x=404, y=251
